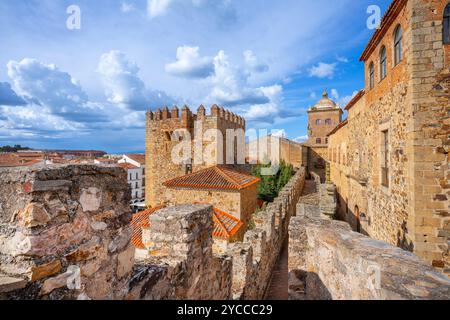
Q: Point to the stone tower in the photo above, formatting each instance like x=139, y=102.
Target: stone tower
x=322, y=119
x=160, y=142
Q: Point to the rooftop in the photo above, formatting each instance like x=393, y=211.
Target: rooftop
x=225, y=225
x=216, y=177
x=140, y=158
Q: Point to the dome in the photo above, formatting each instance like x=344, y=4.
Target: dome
x=325, y=102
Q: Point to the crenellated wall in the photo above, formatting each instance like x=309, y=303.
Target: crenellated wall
x=65, y=234
x=203, y=133
x=255, y=257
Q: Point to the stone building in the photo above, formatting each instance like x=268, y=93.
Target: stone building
x=322, y=119
x=276, y=149
x=389, y=160
x=205, y=137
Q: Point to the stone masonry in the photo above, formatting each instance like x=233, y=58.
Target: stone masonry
x=410, y=107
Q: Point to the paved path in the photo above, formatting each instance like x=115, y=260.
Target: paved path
x=278, y=287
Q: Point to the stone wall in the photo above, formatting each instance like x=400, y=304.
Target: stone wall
x=202, y=130
x=329, y=261
x=64, y=233
x=255, y=257
x=182, y=264
x=412, y=103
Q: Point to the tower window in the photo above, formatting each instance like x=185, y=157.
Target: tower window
x=385, y=158
x=446, y=24
x=318, y=141
x=398, y=51
x=328, y=122
x=318, y=122
x=383, y=63
x=371, y=76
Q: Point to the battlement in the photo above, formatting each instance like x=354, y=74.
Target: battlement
x=186, y=115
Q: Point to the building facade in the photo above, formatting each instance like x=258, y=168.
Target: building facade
x=390, y=160
x=322, y=119
x=135, y=166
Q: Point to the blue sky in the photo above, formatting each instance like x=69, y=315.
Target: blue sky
x=89, y=88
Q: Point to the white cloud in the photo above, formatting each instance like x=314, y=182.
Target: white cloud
x=157, y=8
x=127, y=7
x=8, y=97
x=190, y=64
x=230, y=85
x=281, y=133
x=342, y=59
x=253, y=64
x=345, y=100
x=123, y=85
x=323, y=70
x=313, y=95
x=301, y=139
x=334, y=94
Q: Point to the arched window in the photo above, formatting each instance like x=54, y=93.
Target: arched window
x=398, y=50
x=446, y=31
x=383, y=63
x=318, y=122
x=318, y=141
x=371, y=76
x=328, y=122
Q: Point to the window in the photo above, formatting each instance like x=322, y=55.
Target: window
x=131, y=178
x=326, y=140
x=371, y=76
x=398, y=51
x=137, y=176
x=383, y=63
x=328, y=122
x=385, y=158
x=446, y=31
x=318, y=141
x=137, y=185
x=318, y=122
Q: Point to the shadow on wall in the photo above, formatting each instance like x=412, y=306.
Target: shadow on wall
x=307, y=286
x=402, y=242
x=316, y=163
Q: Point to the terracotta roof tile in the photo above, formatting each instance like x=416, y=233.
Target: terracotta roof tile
x=137, y=157
x=141, y=220
x=225, y=225
x=217, y=177
x=127, y=166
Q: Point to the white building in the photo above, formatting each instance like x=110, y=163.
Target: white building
x=135, y=166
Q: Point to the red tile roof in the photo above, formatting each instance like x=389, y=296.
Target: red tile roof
x=137, y=157
x=217, y=177
x=141, y=220
x=225, y=225
x=127, y=166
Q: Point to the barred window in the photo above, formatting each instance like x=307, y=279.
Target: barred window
x=446, y=24
x=371, y=76
x=398, y=50
x=383, y=63
x=385, y=158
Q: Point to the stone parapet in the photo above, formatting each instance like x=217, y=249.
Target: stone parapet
x=64, y=233
x=255, y=258
x=329, y=261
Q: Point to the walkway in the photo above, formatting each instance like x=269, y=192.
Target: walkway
x=278, y=287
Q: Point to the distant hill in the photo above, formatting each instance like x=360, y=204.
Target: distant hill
x=14, y=148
